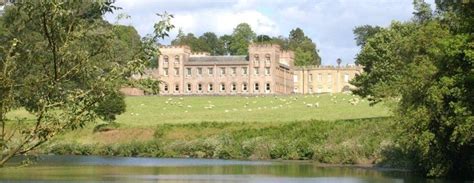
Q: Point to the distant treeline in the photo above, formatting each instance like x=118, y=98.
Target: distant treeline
x=237, y=43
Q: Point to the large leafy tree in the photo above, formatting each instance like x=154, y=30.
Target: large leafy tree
x=298, y=40
x=426, y=68
x=212, y=43
x=362, y=33
x=242, y=36
x=58, y=61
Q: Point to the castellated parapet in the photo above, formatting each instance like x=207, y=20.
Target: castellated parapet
x=200, y=54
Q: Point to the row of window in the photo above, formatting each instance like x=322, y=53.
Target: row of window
x=320, y=77
x=222, y=87
x=223, y=71
x=320, y=89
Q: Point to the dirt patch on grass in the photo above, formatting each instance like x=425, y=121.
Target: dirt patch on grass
x=124, y=135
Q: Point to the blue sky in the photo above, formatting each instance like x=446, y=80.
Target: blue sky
x=329, y=23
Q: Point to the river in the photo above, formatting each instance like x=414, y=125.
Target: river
x=53, y=168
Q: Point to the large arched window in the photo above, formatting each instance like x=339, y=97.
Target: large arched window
x=233, y=87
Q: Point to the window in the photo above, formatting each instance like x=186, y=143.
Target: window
x=295, y=89
x=267, y=87
x=176, y=71
x=165, y=71
x=320, y=89
x=199, y=87
x=210, y=87
x=189, y=87
x=234, y=87
x=267, y=59
x=176, y=60
x=295, y=78
x=256, y=87
x=165, y=87
x=244, y=71
x=267, y=71
x=210, y=71
x=346, y=77
x=329, y=88
x=222, y=87
x=256, y=60
x=188, y=71
x=222, y=71
x=310, y=77
x=329, y=78
x=176, y=87
x=199, y=71
x=233, y=70
x=320, y=77
x=244, y=87
x=166, y=61
x=255, y=70
x=310, y=89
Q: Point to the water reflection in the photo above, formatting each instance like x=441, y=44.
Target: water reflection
x=100, y=169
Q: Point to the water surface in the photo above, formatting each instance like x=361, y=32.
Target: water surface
x=125, y=169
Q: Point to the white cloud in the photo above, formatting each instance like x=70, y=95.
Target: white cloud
x=329, y=23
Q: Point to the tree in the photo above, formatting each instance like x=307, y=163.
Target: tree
x=426, y=69
x=225, y=41
x=362, y=33
x=111, y=106
x=302, y=58
x=297, y=39
x=282, y=41
x=58, y=63
x=241, y=38
x=211, y=42
x=263, y=39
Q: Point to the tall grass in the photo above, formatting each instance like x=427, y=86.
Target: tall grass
x=358, y=141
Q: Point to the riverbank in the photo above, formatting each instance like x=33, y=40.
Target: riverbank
x=357, y=141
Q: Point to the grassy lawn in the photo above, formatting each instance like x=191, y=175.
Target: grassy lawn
x=146, y=111
x=339, y=128
x=153, y=110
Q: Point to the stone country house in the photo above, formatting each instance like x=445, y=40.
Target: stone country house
x=265, y=70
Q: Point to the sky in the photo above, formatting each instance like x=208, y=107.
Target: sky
x=329, y=23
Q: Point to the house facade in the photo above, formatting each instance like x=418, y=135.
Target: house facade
x=267, y=69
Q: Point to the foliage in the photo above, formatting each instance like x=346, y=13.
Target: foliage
x=427, y=67
x=242, y=36
x=112, y=105
x=303, y=58
x=364, y=32
x=58, y=62
x=298, y=40
x=338, y=142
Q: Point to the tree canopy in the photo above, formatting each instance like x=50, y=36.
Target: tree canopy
x=60, y=61
x=426, y=67
x=237, y=43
